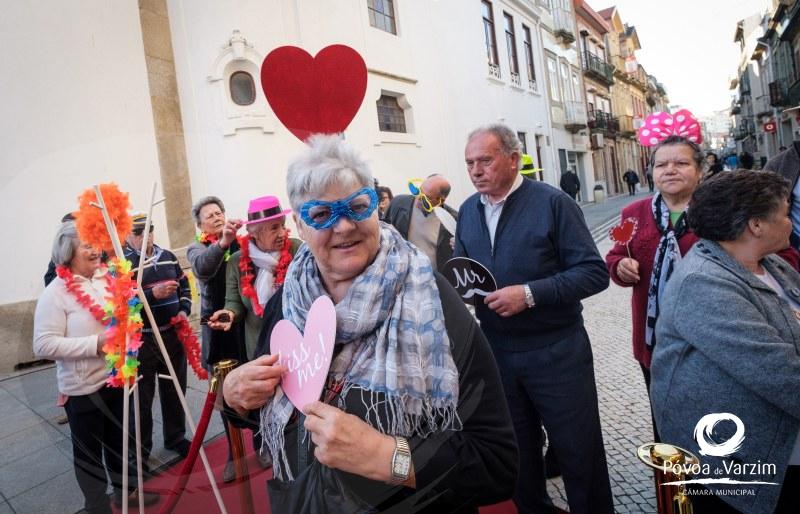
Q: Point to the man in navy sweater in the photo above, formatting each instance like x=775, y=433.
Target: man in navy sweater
x=167, y=290
x=534, y=240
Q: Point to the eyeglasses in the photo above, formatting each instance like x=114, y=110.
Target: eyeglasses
x=140, y=231
x=321, y=215
x=415, y=186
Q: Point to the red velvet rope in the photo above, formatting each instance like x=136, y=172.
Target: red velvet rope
x=197, y=441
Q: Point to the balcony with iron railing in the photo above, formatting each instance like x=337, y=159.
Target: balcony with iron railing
x=564, y=24
x=574, y=115
x=597, y=68
x=494, y=70
x=604, y=122
x=793, y=96
x=761, y=105
x=777, y=94
x=736, y=107
x=743, y=129
x=626, y=125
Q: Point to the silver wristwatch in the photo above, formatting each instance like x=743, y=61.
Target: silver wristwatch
x=528, y=296
x=401, y=460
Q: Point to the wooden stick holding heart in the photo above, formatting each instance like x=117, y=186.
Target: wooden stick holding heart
x=623, y=233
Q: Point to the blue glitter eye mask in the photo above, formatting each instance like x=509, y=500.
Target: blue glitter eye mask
x=321, y=215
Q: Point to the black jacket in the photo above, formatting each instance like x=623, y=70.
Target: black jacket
x=630, y=177
x=399, y=215
x=570, y=183
x=456, y=470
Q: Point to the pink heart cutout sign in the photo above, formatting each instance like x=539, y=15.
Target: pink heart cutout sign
x=308, y=356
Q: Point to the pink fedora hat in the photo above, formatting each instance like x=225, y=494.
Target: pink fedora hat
x=265, y=208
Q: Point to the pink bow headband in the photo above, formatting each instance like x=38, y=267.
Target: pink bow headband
x=660, y=125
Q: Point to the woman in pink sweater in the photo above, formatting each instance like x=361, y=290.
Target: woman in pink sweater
x=661, y=239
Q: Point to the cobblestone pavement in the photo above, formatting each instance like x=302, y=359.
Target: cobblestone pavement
x=624, y=406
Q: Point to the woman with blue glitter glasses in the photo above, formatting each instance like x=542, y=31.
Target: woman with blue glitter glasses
x=413, y=410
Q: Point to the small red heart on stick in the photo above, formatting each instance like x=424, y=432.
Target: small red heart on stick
x=623, y=233
x=314, y=95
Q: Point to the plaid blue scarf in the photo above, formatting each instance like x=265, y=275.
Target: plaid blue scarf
x=390, y=326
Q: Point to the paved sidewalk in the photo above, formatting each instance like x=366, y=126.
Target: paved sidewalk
x=600, y=217
x=36, y=473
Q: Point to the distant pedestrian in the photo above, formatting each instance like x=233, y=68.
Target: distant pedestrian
x=631, y=178
x=385, y=197
x=570, y=183
x=714, y=166
x=746, y=161
x=650, y=183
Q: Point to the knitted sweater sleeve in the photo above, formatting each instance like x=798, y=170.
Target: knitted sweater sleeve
x=583, y=271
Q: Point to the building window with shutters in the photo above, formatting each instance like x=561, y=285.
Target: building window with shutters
x=381, y=15
x=391, y=116
x=489, y=38
x=242, y=88
x=552, y=75
x=511, y=46
x=526, y=33
x=523, y=141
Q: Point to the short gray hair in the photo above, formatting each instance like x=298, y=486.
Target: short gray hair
x=327, y=161
x=64, y=244
x=509, y=142
x=206, y=200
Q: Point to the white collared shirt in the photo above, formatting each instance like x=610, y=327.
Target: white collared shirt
x=492, y=211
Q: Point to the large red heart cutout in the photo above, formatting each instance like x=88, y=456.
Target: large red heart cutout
x=314, y=95
x=623, y=233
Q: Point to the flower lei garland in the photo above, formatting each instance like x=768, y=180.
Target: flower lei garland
x=210, y=239
x=247, y=275
x=123, y=311
x=120, y=315
x=83, y=299
x=89, y=220
x=190, y=344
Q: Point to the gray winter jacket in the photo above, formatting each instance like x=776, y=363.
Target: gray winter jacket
x=727, y=343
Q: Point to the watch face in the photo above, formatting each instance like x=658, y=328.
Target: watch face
x=402, y=465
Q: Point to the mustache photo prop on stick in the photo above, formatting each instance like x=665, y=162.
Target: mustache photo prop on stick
x=469, y=278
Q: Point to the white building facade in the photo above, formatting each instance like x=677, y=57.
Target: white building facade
x=81, y=109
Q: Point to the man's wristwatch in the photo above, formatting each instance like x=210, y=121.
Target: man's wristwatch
x=528, y=296
x=401, y=460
